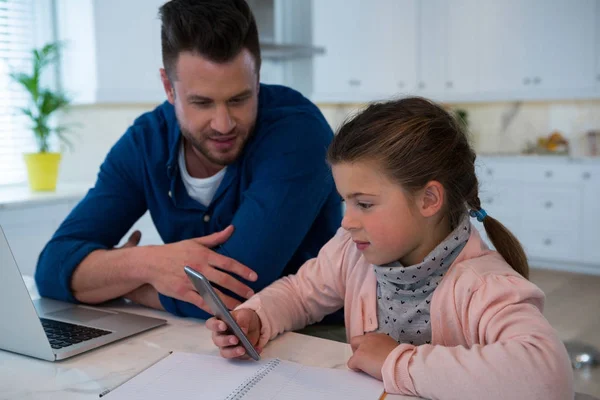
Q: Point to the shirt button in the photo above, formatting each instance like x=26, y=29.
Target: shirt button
x=206, y=218
x=170, y=194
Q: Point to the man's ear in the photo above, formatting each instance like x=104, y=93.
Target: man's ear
x=169, y=90
x=431, y=198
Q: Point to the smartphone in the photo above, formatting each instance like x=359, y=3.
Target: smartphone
x=211, y=298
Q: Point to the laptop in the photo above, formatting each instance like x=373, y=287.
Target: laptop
x=54, y=330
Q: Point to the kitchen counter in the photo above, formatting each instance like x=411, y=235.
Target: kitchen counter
x=16, y=196
x=539, y=158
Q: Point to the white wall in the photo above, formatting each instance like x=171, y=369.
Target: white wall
x=99, y=127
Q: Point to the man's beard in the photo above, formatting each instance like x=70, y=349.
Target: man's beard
x=225, y=158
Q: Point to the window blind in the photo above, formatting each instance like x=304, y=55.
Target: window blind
x=17, y=38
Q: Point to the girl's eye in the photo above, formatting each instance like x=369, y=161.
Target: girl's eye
x=365, y=206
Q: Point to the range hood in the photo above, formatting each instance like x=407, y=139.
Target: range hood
x=281, y=52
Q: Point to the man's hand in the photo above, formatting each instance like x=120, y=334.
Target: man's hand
x=370, y=352
x=165, y=272
x=228, y=343
x=145, y=295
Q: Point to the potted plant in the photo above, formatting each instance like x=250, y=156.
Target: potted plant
x=42, y=166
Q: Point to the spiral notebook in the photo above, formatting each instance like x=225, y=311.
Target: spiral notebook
x=194, y=376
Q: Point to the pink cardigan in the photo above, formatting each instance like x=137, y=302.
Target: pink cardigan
x=489, y=337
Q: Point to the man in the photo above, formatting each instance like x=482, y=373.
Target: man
x=233, y=173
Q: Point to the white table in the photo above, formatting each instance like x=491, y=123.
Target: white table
x=85, y=376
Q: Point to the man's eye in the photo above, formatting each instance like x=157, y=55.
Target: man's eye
x=238, y=101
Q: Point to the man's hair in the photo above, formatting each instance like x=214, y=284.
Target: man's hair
x=215, y=29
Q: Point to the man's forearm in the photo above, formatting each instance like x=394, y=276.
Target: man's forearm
x=108, y=274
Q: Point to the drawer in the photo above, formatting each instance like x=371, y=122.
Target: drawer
x=555, y=174
x=556, y=245
x=489, y=171
x=553, y=206
x=502, y=200
x=537, y=171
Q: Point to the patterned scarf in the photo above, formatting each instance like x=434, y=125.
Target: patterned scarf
x=404, y=293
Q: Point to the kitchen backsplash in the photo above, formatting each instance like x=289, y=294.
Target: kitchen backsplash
x=508, y=127
x=495, y=128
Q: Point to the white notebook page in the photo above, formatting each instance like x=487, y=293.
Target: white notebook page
x=185, y=376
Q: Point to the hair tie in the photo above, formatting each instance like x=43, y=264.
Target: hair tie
x=479, y=214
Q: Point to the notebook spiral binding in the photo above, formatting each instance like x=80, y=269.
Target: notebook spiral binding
x=252, y=381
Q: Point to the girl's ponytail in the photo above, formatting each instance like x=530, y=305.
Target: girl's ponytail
x=503, y=240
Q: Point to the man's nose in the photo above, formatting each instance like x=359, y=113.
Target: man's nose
x=222, y=121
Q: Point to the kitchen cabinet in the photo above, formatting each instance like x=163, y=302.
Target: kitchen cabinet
x=565, y=39
x=112, y=57
x=597, y=37
x=466, y=50
x=448, y=48
x=463, y=47
x=458, y=51
x=433, y=44
x=550, y=204
x=113, y=53
x=535, y=49
x=507, y=39
x=362, y=63
x=590, y=178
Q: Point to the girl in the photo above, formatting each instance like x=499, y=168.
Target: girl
x=429, y=309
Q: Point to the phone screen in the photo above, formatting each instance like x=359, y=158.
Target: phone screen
x=205, y=289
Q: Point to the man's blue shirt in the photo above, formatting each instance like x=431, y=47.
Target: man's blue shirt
x=279, y=194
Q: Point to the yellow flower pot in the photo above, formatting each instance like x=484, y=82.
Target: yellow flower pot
x=42, y=169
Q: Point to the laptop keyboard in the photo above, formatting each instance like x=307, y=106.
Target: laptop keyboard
x=63, y=334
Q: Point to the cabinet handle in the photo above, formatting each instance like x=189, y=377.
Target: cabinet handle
x=421, y=85
x=400, y=84
x=548, y=204
x=549, y=174
x=354, y=82
x=547, y=241
x=526, y=81
x=489, y=201
x=449, y=84
x=587, y=175
x=537, y=80
x=490, y=171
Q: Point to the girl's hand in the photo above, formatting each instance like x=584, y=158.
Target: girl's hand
x=227, y=342
x=370, y=352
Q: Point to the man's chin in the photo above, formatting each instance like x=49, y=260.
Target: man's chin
x=223, y=159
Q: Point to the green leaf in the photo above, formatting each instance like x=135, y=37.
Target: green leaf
x=27, y=112
x=49, y=102
x=45, y=102
x=28, y=82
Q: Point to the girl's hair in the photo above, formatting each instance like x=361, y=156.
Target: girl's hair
x=416, y=141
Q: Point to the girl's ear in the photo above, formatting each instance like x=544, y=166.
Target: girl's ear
x=431, y=199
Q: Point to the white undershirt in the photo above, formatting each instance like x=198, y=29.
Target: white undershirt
x=200, y=189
